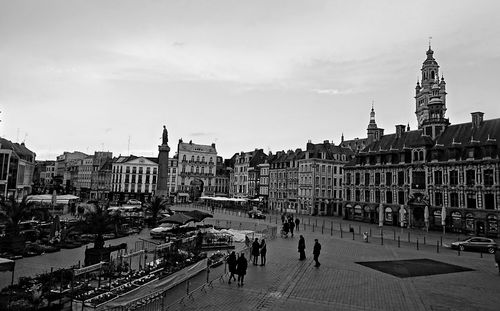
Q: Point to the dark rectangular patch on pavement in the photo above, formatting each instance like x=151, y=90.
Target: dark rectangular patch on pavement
x=413, y=267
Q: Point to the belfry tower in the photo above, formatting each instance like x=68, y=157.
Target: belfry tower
x=430, y=98
x=374, y=133
x=163, y=150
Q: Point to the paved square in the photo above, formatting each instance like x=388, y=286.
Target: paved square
x=413, y=267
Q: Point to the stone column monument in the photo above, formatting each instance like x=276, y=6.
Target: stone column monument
x=162, y=189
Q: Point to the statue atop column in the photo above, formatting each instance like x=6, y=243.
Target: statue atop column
x=165, y=136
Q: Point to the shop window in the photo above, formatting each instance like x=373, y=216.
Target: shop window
x=388, y=214
x=437, y=217
x=492, y=224
x=469, y=222
x=456, y=220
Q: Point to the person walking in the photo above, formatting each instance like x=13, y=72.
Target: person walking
x=231, y=264
x=302, y=248
x=283, y=218
x=297, y=224
x=497, y=258
x=316, y=252
x=255, y=251
x=263, y=252
x=291, y=224
x=241, y=268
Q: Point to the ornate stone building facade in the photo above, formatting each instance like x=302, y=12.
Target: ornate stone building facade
x=415, y=176
x=246, y=176
x=196, y=170
x=320, y=178
x=134, y=178
x=283, y=180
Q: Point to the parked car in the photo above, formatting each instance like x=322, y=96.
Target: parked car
x=257, y=214
x=134, y=202
x=162, y=230
x=476, y=244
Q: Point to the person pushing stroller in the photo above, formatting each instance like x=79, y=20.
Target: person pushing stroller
x=285, y=229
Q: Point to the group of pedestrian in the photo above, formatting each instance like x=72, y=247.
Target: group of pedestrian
x=237, y=266
x=289, y=224
x=258, y=249
x=316, y=250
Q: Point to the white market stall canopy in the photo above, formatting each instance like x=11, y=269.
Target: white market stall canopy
x=47, y=198
x=223, y=199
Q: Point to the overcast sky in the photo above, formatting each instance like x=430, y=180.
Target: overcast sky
x=107, y=75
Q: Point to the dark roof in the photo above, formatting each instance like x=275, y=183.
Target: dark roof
x=20, y=149
x=153, y=159
x=315, y=150
x=409, y=139
x=487, y=132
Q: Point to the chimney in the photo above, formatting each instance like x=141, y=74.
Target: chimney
x=477, y=119
x=400, y=129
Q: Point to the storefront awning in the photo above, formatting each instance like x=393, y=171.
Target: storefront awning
x=7, y=264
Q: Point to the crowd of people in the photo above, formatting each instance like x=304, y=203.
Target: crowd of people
x=289, y=224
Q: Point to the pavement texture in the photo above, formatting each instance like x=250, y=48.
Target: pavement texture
x=286, y=283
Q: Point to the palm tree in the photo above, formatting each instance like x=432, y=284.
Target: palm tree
x=98, y=221
x=12, y=213
x=158, y=204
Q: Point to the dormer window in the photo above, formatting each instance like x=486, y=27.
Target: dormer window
x=418, y=155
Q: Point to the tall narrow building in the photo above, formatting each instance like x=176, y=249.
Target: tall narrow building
x=162, y=189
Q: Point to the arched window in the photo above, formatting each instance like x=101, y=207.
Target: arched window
x=184, y=158
x=192, y=158
x=432, y=75
x=198, y=159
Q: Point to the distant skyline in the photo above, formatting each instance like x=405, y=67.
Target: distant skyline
x=93, y=75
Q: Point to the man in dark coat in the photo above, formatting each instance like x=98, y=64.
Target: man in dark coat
x=231, y=264
x=297, y=224
x=302, y=248
x=291, y=224
x=255, y=251
x=316, y=252
x=263, y=252
x=241, y=268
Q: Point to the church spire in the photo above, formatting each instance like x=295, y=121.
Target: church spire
x=373, y=131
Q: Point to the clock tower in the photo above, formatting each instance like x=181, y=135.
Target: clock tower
x=430, y=98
